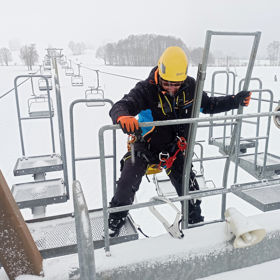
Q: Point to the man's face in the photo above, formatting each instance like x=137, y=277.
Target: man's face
x=171, y=87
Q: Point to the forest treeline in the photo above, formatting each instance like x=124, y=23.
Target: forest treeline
x=143, y=50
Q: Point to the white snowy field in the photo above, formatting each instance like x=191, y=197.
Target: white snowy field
x=87, y=122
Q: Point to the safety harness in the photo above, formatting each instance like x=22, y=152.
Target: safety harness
x=166, y=161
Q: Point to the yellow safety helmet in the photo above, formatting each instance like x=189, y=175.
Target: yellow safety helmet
x=173, y=65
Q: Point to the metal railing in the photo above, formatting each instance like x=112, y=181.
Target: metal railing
x=195, y=194
x=196, y=109
x=73, y=151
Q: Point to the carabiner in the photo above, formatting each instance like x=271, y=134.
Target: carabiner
x=163, y=157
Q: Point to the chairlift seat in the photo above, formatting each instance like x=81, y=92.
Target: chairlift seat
x=47, y=74
x=38, y=164
x=69, y=71
x=47, y=67
x=264, y=195
x=77, y=80
x=56, y=236
x=94, y=94
x=39, y=193
x=43, y=84
x=38, y=106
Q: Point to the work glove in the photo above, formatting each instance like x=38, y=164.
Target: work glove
x=129, y=124
x=242, y=98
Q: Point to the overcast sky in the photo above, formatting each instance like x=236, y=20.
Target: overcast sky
x=56, y=22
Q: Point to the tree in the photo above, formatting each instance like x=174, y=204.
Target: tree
x=273, y=50
x=139, y=50
x=5, y=56
x=29, y=55
x=77, y=48
x=100, y=53
x=196, y=56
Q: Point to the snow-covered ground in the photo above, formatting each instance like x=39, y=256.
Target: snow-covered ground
x=87, y=122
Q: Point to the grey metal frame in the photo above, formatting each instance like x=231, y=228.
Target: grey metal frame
x=73, y=153
x=59, y=117
x=90, y=92
x=195, y=194
x=196, y=109
x=61, y=129
x=20, y=119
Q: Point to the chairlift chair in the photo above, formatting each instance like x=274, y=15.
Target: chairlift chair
x=47, y=74
x=77, y=80
x=38, y=106
x=94, y=93
x=47, y=67
x=43, y=84
x=69, y=71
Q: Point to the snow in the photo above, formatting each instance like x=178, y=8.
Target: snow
x=86, y=126
x=197, y=241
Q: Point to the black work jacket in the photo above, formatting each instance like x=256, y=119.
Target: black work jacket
x=148, y=94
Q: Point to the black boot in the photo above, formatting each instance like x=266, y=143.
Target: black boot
x=195, y=212
x=115, y=224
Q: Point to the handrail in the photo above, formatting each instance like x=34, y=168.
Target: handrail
x=106, y=210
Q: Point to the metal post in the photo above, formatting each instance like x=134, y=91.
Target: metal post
x=84, y=235
x=32, y=86
x=97, y=74
x=193, y=127
x=19, y=117
x=104, y=190
x=61, y=132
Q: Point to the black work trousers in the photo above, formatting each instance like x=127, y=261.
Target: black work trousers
x=131, y=177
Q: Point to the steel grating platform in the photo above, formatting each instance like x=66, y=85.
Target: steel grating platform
x=259, y=171
x=38, y=164
x=38, y=193
x=56, y=236
x=225, y=147
x=264, y=195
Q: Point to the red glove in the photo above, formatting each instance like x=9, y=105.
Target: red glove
x=129, y=124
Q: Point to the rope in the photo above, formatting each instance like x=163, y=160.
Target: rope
x=112, y=74
x=9, y=91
